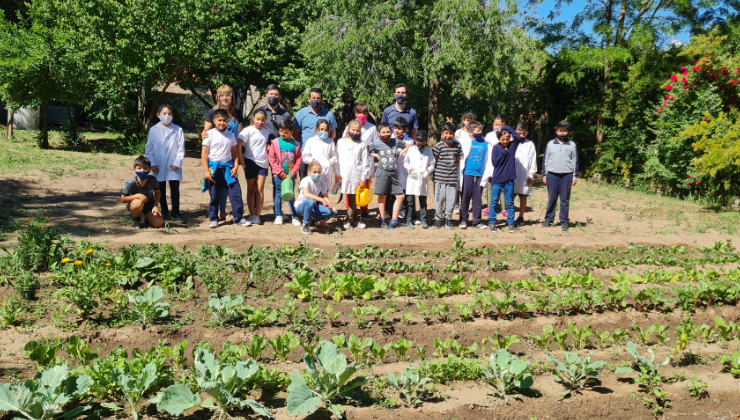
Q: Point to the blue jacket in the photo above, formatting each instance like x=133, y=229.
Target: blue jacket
x=504, y=161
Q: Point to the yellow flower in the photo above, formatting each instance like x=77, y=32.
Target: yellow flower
x=27, y=219
x=78, y=262
x=89, y=251
x=108, y=263
x=40, y=226
x=5, y=303
x=48, y=219
x=65, y=260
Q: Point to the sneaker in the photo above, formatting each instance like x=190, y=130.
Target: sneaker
x=456, y=210
x=424, y=224
x=512, y=228
x=519, y=221
x=409, y=224
x=135, y=223
x=402, y=214
x=417, y=222
x=213, y=224
x=437, y=224
x=492, y=227
x=323, y=223
x=361, y=225
x=365, y=215
x=296, y=222
x=347, y=225
x=564, y=226
x=393, y=225
x=485, y=212
x=244, y=222
x=481, y=225
x=305, y=230
x=178, y=218
x=546, y=224
x=463, y=225
x=449, y=224
x=255, y=220
x=383, y=224
x=278, y=220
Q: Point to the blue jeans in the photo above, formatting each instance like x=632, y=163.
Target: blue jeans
x=508, y=189
x=233, y=192
x=310, y=208
x=222, y=199
x=278, y=184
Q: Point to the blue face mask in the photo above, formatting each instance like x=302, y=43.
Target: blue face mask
x=315, y=177
x=323, y=135
x=142, y=174
x=479, y=137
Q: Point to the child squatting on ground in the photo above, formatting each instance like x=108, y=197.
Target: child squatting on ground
x=165, y=149
x=221, y=165
x=141, y=195
x=419, y=162
x=560, y=172
x=322, y=150
x=312, y=200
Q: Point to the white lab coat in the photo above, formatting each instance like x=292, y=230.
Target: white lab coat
x=325, y=152
x=417, y=182
x=165, y=148
x=466, y=141
x=368, y=134
x=526, y=166
x=354, y=164
x=402, y=172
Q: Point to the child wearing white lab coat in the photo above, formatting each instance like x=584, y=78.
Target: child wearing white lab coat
x=354, y=167
x=526, y=167
x=368, y=133
x=419, y=163
x=165, y=148
x=321, y=148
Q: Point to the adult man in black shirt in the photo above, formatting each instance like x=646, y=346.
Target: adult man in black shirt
x=275, y=113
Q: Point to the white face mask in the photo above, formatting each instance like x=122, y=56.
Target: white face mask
x=165, y=119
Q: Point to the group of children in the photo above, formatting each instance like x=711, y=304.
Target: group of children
x=461, y=164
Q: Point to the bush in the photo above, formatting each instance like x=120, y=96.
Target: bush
x=27, y=285
x=38, y=246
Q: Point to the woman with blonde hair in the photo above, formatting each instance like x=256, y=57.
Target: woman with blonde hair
x=226, y=101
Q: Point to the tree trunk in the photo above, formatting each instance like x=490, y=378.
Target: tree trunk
x=45, y=128
x=153, y=111
x=10, y=125
x=601, y=121
x=433, y=111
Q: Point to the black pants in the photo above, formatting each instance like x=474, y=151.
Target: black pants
x=303, y=170
x=174, y=197
x=558, y=186
x=390, y=199
x=411, y=207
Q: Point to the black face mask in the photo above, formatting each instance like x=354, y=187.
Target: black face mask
x=273, y=100
x=562, y=137
x=316, y=103
x=385, y=139
x=354, y=136
x=400, y=99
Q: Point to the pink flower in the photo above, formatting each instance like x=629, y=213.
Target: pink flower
x=697, y=62
x=673, y=98
x=697, y=68
x=688, y=183
x=698, y=182
x=683, y=68
x=691, y=88
x=714, y=76
x=668, y=96
x=685, y=81
x=683, y=92
x=685, y=72
x=685, y=87
x=674, y=78
x=658, y=110
x=732, y=82
x=725, y=72
x=708, y=55
x=689, y=176
x=669, y=87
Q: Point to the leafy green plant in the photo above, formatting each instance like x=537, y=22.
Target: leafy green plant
x=507, y=374
x=574, y=373
x=643, y=335
x=648, y=371
x=42, y=355
x=619, y=336
x=581, y=336
x=10, y=313
x=133, y=388
x=707, y=333
x=602, y=338
x=332, y=316
x=224, y=309
x=359, y=347
x=661, y=333
x=543, y=342
x=726, y=329
x=256, y=347
x=79, y=350
x=731, y=363
x=560, y=338
x=283, y=344
x=302, y=285
x=221, y=381
x=176, y=354
x=441, y=346
x=410, y=385
x=332, y=381
x=465, y=310
x=697, y=388
x=27, y=285
x=401, y=347
x=380, y=352
x=39, y=246
x=147, y=306
x=260, y=317
x=45, y=396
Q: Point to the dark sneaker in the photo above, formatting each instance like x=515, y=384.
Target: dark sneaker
x=546, y=224
x=365, y=215
x=424, y=224
x=393, y=225
x=449, y=224
x=512, y=229
x=165, y=216
x=135, y=223
x=409, y=224
x=564, y=226
x=305, y=230
x=481, y=225
x=178, y=218
x=519, y=221
x=463, y=225
x=437, y=224
x=383, y=224
x=492, y=227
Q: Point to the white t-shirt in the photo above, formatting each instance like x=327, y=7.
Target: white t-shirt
x=255, y=145
x=219, y=145
x=314, y=188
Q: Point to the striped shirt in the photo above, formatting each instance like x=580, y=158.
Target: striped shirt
x=446, y=168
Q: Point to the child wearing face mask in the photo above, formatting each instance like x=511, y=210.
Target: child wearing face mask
x=255, y=163
x=354, y=166
x=165, y=148
x=389, y=151
x=312, y=201
x=503, y=159
x=369, y=134
x=322, y=150
x=475, y=163
x=141, y=195
x=447, y=155
x=560, y=172
x=419, y=162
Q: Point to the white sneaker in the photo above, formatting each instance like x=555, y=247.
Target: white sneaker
x=347, y=225
x=255, y=220
x=278, y=220
x=456, y=210
x=417, y=222
x=214, y=224
x=244, y=222
x=296, y=222
x=361, y=225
